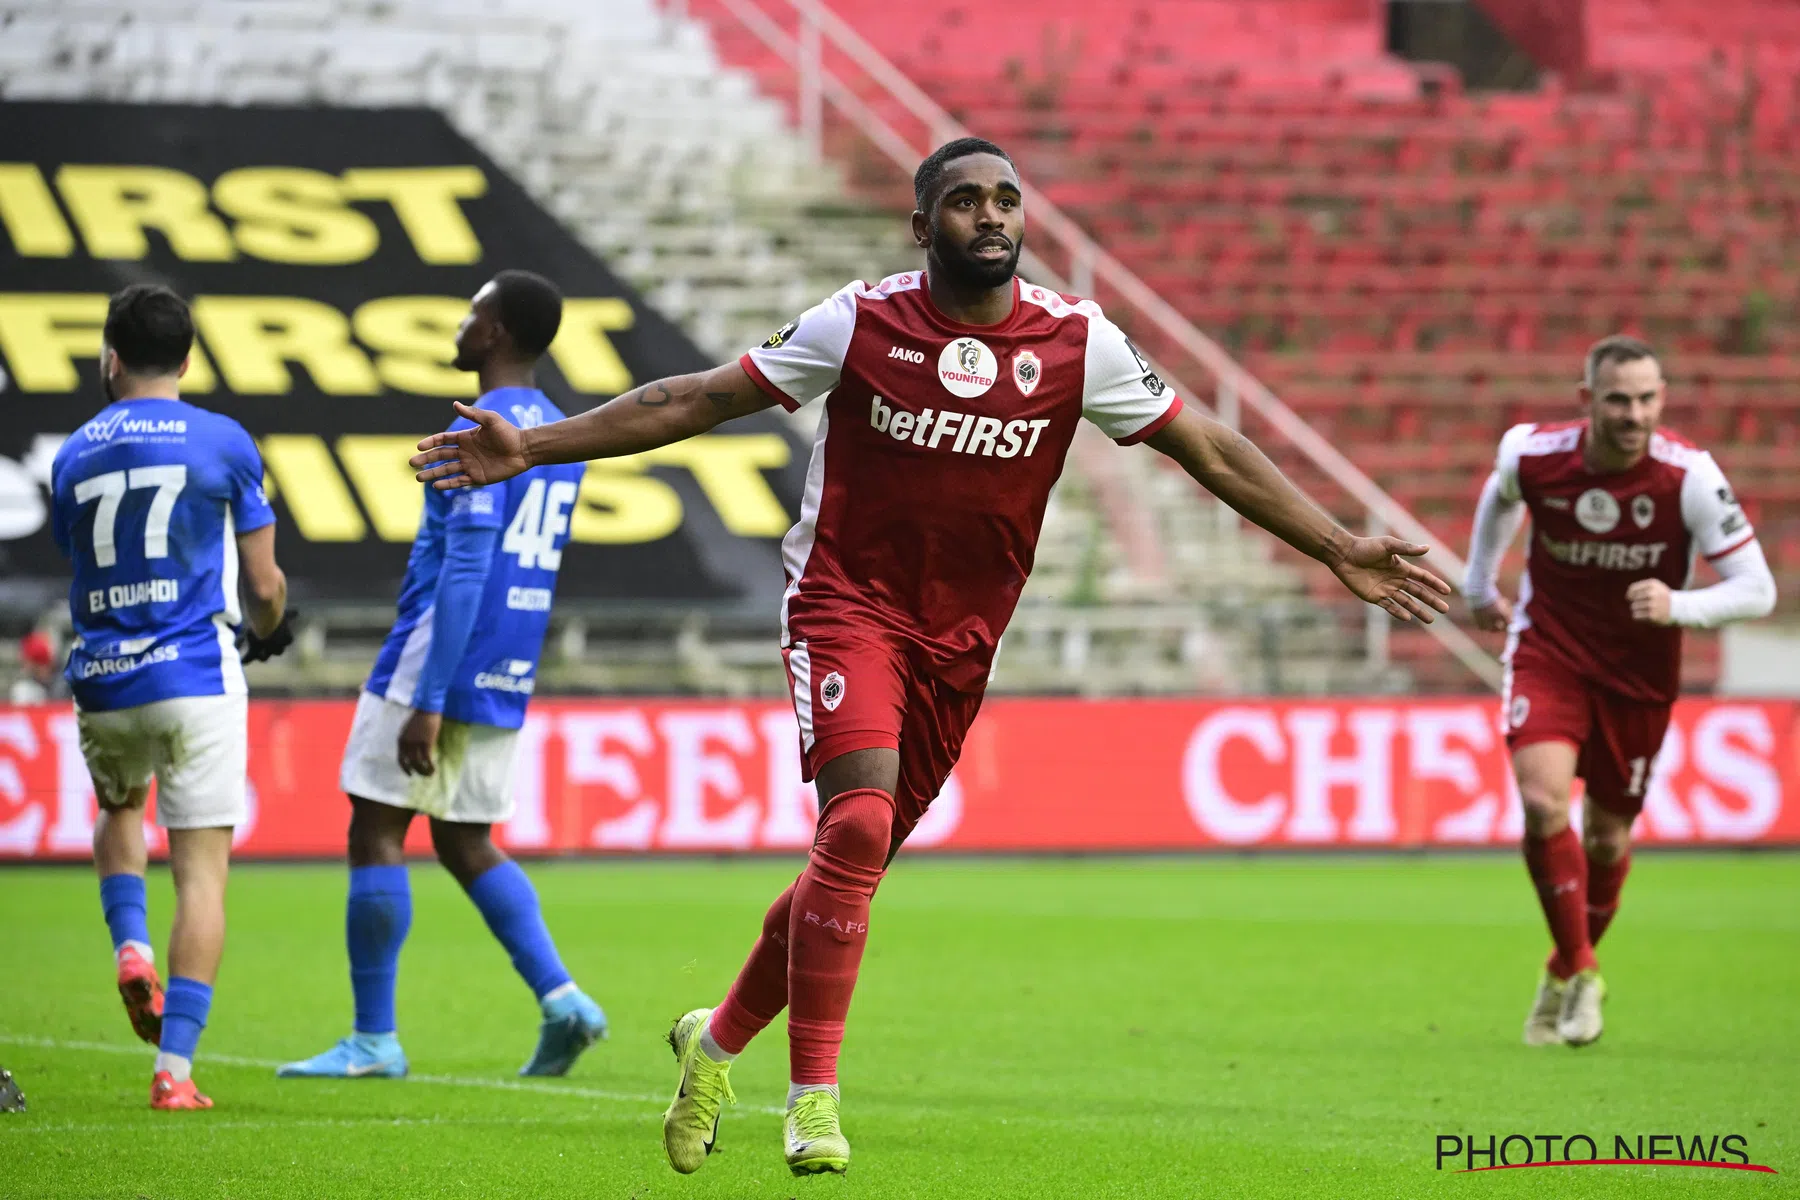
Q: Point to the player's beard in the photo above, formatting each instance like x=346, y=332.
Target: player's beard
x=1615, y=436
x=964, y=268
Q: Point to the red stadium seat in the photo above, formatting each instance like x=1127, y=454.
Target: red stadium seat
x=1416, y=269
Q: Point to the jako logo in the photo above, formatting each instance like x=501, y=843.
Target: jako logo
x=104, y=430
x=987, y=436
x=905, y=355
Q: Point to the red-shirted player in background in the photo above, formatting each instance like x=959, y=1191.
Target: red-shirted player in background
x=1619, y=513
x=951, y=397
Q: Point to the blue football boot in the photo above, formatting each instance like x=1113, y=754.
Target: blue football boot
x=359, y=1056
x=572, y=1023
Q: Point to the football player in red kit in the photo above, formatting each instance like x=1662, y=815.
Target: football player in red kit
x=950, y=397
x=1620, y=511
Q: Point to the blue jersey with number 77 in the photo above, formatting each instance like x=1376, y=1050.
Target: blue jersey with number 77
x=149, y=499
x=497, y=673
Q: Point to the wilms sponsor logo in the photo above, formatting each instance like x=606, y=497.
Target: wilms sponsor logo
x=110, y=425
x=1505, y=1152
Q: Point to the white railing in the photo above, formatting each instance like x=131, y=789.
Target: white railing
x=1235, y=388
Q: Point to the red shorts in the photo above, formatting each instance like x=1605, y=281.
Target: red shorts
x=859, y=692
x=1616, y=739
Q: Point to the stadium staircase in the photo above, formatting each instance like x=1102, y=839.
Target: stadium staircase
x=1412, y=268
x=681, y=173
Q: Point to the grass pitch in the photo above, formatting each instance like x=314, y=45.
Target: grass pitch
x=1149, y=1027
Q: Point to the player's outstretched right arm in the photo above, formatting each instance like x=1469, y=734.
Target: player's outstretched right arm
x=1376, y=569
x=668, y=410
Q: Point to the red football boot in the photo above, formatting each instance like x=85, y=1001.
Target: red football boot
x=142, y=992
x=170, y=1096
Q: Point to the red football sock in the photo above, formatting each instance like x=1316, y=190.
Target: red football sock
x=760, y=991
x=1559, y=870
x=829, y=927
x=1605, y=881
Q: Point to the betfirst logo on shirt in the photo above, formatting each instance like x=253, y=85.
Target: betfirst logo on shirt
x=1608, y=556
x=989, y=437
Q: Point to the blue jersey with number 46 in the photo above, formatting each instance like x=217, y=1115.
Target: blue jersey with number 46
x=149, y=499
x=498, y=671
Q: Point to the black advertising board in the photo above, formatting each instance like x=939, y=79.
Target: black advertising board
x=329, y=254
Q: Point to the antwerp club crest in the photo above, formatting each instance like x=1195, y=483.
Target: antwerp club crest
x=1027, y=371
x=1643, y=511
x=831, y=691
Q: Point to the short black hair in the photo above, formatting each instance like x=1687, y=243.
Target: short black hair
x=931, y=171
x=1619, y=348
x=530, y=309
x=150, y=328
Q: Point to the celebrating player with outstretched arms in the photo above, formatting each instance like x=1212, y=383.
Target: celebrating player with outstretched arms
x=951, y=397
x=160, y=505
x=1619, y=512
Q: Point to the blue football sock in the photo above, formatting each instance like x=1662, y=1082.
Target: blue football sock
x=122, y=899
x=376, y=921
x=509, y=904
x=185, y=1006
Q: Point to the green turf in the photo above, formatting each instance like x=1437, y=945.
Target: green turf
x=1220, y=1027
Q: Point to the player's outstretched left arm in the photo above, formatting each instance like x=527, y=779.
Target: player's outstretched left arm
x=668, y=410
x=1229, y=465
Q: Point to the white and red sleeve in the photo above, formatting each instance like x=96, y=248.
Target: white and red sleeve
x=1498, y=515
x=1722, y=534
x=1120, y=393
x=804, y=359
x=1713, y=517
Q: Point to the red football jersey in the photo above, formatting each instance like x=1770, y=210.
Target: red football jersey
x=1594, y=535
x=935, y=456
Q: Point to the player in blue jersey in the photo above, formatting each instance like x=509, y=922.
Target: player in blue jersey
x=160, y=505
x=437, y=724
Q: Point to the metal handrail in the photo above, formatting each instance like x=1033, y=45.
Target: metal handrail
x=1089, y=263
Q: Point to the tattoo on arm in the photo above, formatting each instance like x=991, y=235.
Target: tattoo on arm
x=722, y=400
x=655, y=396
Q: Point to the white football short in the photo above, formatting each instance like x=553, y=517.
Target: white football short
x=196, y=747
x=474, y=766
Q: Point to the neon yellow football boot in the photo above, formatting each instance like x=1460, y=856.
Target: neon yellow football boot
x=691, y=1126
x=1540, y=1024
x=815, y=1144
x=1580, y=1022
